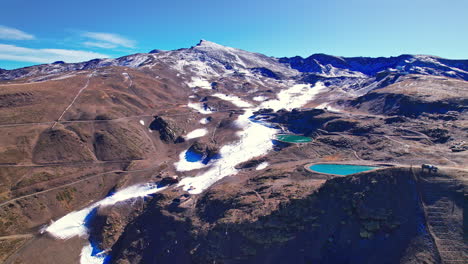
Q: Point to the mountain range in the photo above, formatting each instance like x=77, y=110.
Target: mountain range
x=318, y=64
x=206, y=155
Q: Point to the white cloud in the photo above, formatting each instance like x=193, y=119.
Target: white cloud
x=14, y=34
x=16, y=53
x=107, y=40
x=102, y=45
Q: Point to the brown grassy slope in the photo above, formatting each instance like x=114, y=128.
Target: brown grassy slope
x=60, y=145
x=112, y=95
x=37, y=102
x=113, y=141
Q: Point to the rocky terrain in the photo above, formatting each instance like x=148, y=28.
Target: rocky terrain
x=172, y=156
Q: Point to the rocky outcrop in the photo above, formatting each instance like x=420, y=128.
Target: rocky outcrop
x=301, y=121
x=169, y=180
x=437, y=135
x=459, y=146
x=206, y=150
x=340, y=125
x=168, y=130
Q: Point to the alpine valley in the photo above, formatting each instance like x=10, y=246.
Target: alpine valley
x=212, y=154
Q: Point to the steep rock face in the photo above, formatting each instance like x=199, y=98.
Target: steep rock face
x=60, y=145
x=363, y=222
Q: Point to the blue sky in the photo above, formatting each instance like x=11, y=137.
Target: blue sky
x=35, y=32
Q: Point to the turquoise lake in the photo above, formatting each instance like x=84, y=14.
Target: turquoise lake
x=293, y=138
x=340, y=169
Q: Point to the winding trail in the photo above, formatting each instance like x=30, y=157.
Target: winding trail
x=19, y=236
x=356, y=155
x=74, y=99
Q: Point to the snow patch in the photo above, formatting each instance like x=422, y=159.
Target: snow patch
x=200, y=108
x=87, y=256
x=142, y=122
x=184, y=165
x=235, y=100
x=70, y=225
x=199, y=82
x=260, y=98
x=294, y=97
x=196, y=133
x=204, y=121
x=328, y=107
x=262, y=166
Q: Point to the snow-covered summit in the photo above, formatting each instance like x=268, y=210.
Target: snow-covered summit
x=208, y=44
x=233, y=58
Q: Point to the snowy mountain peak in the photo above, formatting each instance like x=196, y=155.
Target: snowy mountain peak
x=206, y=46
x=207, y=43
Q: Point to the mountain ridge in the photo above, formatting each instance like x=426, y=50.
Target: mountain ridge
x=319, y=64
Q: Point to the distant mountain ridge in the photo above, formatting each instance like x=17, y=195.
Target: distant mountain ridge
x=322, y=65
x=411, y=64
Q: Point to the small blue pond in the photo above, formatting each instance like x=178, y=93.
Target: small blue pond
x=340, y=169
x=192, y=156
